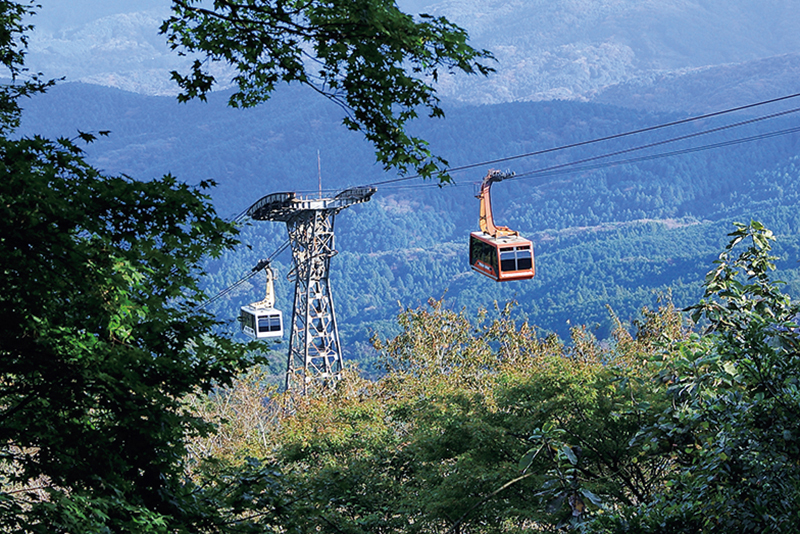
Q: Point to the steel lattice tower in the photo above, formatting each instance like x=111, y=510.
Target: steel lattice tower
x=315, y=355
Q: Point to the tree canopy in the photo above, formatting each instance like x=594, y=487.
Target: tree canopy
x=111, y=382
x=378, y=63
x=99, y=337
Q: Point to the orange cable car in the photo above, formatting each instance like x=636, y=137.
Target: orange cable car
x=497, y=251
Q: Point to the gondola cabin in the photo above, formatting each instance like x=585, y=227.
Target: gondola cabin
x=498, y=251
x=501, y=258
x=260, y=323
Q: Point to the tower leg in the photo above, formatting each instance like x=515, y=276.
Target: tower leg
x=314, y=352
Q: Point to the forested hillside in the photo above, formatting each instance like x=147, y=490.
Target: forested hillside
x=619, y=236
x=485, y=426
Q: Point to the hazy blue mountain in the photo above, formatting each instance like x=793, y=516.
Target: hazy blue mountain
x=567, y=48
x=105, y=42
x=57, y=15
x=546, y=49
x=705, y=89
x=604, y=235
x=614, y=236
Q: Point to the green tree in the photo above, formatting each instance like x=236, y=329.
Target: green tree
x=731, y=428
x=99, y=340
x=376, y=62
x=435, y=444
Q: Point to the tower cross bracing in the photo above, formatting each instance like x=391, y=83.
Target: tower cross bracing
x=315, y=355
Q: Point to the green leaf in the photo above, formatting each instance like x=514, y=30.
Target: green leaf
x=374, y=61
x=526, y=461
x=570, y=454
x=594, y=499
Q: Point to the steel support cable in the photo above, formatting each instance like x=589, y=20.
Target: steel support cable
x=576, y=166
x=227, y=290
x=569, y=168
x=241, y=216
x=643, y=147
x=566, y=169
x=663, y=142
x=600, y=139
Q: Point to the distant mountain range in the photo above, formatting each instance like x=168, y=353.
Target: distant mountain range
x=665, y=54
x=705, y=89
x=605, y=235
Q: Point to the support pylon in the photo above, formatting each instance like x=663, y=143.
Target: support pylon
x=315, y=356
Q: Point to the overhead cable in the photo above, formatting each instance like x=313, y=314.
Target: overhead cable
x=600, y=139
x=575, y=166
x=665, y=141
x=562, y=169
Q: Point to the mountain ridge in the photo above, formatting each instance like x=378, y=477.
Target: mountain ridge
x=705, y=89
x=559, y=49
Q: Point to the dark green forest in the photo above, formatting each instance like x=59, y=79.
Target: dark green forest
x=617, y=237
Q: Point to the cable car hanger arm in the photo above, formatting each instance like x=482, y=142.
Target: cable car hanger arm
x=486, y=218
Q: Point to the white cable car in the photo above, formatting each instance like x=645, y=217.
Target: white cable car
x=261, y=323
x=260, y=320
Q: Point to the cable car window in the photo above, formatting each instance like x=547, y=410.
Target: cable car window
x=269, y=323
x=483, y=252
x=248, y=320
x=508, y=260
x=516, y=259
x=524, y=258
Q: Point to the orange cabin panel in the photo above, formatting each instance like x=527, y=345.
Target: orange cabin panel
x=501, y=258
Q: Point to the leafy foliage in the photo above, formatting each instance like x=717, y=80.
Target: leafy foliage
x=100, y=342
x=366, y=55
x=439, y=442
x=732, y=424
x=477, y=426
x=483, y=426
x=13, y=43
